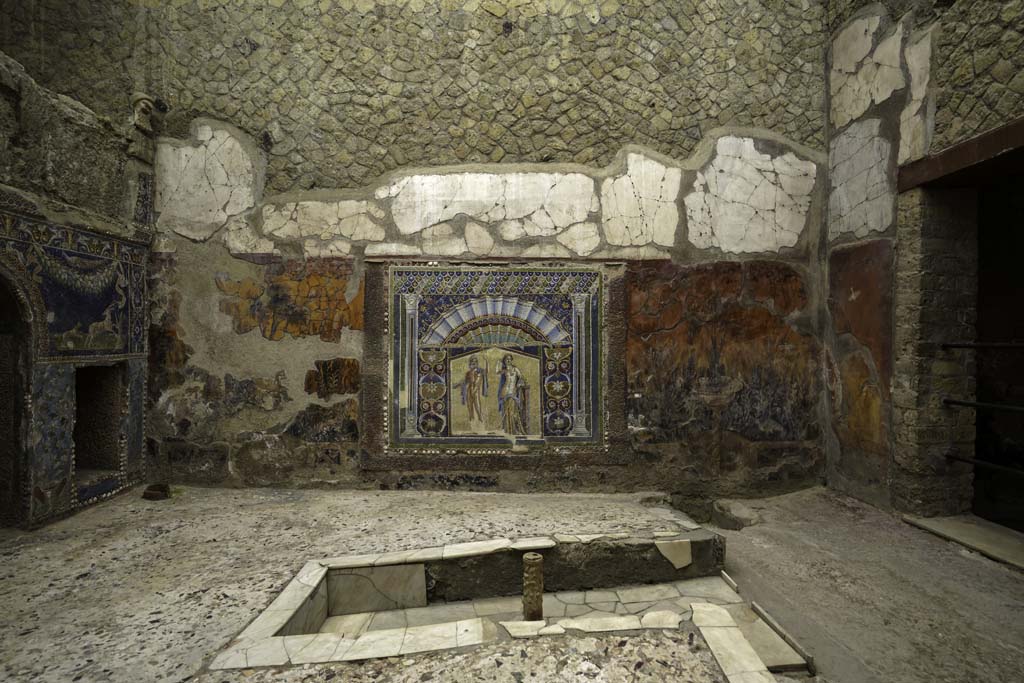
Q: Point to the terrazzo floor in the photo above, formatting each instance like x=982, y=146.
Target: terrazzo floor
x=135, y=590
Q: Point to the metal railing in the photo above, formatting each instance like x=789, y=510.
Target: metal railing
x=984, y=405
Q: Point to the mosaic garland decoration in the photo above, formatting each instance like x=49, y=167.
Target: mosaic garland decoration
x=494, y=356
x=94, y=286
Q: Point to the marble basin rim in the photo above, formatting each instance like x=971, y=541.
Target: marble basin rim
x=287, y=632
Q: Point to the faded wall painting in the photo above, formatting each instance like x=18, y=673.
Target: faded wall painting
x=93, y=287
x=721, y=357
x=494, y=356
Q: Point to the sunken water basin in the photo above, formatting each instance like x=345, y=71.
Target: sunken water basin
x=434, y=598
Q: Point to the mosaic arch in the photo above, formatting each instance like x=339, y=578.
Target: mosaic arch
x=487, y=357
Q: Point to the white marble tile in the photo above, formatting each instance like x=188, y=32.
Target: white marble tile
x=373, y=644
x=347, y=624
x=267, y=652
x=491, y=606
x=388, y=619
x=348, y=561
x=430, y=637
x=751, y=677
x=711, y=588
x=706, y=614
x=601, y=624
x=469, y=632
x=637, y=607
x=653, y=593
x=571, y=597
x=523, y=629
x=397, y=557
x=553, y=607
x=230, y=659
x=600, y=596
x=677, y=552
x=427, y=554
x=533, y=543
x=475, y=548
x=371, y=589
x=603, y=606
x=660, y=619
x=323, y=647
x=436, y=614
x=731, y=650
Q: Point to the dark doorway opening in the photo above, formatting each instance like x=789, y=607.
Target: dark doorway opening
x=99, y=405
x=998, y=494
x=13, y=349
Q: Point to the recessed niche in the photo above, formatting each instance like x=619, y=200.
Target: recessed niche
x=99, y=405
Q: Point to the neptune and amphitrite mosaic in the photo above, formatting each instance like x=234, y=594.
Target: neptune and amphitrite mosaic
x=488, y=356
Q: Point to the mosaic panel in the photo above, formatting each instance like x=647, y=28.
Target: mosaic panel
x=494, y=356
x=92, y=286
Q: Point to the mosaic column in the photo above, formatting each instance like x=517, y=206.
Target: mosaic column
x=580, y=341
x=411, y=362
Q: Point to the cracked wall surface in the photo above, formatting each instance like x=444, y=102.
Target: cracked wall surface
x=743, y=200
x=342, y=92
x=978, y=60
x=866, y=67
x=748, y=201
x=863, y=192
x=205, y=182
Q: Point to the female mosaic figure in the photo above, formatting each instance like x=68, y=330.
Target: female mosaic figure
x=513, y=397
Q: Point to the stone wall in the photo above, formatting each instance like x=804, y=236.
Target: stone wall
x=342, y=91
x=936, y=295
x=258, y=330
x=53, y=146
x=902, y=279
x=979, y=60
x=75, y=207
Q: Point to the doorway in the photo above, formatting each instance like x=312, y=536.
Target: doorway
x=13, y=348
x=999, y=440
x=99, y=406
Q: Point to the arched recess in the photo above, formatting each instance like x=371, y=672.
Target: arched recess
x=17, y=319
x=496, y=321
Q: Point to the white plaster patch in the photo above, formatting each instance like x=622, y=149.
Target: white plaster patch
x=582, y=238
x=747, y=201
x=202, y=184
x=859, y=76
x=442, y=240
x=542, y=203
x=917, y=120
x=478, y=240
x=640, y=206
x=352, y=219
x=241, y=238
x=862, y=199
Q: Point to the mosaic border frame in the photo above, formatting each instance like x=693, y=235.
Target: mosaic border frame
x=610, y=447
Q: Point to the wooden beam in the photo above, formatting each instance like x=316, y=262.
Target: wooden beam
x=997, y=153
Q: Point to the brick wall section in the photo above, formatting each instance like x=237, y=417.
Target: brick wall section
x=936, y=292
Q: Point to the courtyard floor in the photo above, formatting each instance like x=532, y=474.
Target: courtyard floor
x=133, y=590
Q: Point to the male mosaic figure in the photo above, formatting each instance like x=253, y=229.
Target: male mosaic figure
x=512, y=397
x=474, y=388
